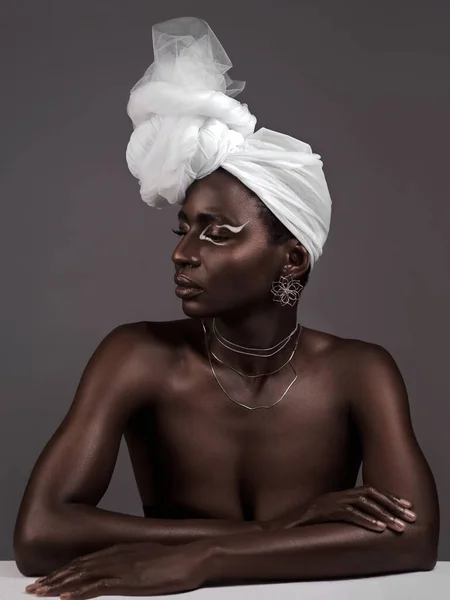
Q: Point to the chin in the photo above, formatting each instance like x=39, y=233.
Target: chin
x=195, y=309
x=192, y=307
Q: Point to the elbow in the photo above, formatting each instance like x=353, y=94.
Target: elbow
x=40, y=543
x=430, y=541
x=429, y=550
x=31, y=561
x=25, y=541
x=30, y=556
x=26, y=559
x=423, y=545
x=21, y=551
x=426, y=559
x=27, y=568
x=429, y=562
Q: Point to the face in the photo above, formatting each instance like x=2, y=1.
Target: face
x=224, y=248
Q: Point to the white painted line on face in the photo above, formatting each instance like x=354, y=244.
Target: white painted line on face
x=234, y=229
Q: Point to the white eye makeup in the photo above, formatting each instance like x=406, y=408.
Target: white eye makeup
x=236, y=229
x=203, y=236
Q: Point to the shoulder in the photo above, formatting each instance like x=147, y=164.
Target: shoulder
x=353, y=355
x=157, y=336
x=131, y=364
x=370, y=383
x=368, y=364
x=144, y=346
x=362, y=368
x=373, y=383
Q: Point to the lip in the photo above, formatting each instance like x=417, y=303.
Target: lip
x=185, y=292
x=185, y=282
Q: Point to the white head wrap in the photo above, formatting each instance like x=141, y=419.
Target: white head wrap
x=187, y=125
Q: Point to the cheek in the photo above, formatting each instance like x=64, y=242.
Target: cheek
x=243, y=269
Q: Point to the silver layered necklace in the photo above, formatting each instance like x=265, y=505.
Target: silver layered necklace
x=248, y=350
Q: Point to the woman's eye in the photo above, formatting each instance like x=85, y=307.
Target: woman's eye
x=214, y=238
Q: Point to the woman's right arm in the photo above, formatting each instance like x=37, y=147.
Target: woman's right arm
x=58, y=518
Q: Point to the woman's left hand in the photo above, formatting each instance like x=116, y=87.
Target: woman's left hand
x=136, y=569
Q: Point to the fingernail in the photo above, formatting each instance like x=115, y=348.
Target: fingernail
x=410, y=513
x=405, y=502
x=381, y=524
x=399, y=523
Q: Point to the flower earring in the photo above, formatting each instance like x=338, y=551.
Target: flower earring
x=286, y=290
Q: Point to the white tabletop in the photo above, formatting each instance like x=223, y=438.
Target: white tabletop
x=433, y=585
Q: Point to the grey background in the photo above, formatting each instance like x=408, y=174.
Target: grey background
x=365, y=83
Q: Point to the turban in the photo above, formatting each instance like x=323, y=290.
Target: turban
x=187, y=124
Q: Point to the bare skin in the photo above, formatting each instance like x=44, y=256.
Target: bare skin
x=214, y=478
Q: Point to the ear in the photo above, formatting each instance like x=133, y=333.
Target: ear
x=298, y=260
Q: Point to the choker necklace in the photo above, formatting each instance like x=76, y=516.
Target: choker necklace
x=261, y=374
x=222, y=340
x=240, y=403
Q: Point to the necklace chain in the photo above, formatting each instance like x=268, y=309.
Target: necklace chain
x=220, y=337
x=261, y=374
x=240, y=403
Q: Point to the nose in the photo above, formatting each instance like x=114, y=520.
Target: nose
x=186, y=253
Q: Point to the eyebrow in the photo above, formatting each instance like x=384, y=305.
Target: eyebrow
x=206, y=216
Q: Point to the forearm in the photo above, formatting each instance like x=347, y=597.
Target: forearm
x=319, y=551
x=76, y=529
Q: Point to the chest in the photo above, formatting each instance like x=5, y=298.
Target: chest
x=212, y=458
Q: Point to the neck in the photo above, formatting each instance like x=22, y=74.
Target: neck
x=260, y=329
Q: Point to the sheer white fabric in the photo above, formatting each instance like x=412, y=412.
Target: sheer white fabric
x=187, y=124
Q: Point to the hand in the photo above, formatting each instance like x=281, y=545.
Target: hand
x=363, y=506
x=136, y=569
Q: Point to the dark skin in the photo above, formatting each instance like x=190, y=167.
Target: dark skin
x=230, y=494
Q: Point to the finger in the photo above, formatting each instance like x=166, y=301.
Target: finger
x=74, y=565
x=68, y=584
x=102, y=587
x=379, y=512
x=406, y=507
x=392, y=505
x=83, y=572
x=353, y=515
x=385, y=496
x=50, y=578
x=401, y=501
x=58, y=575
